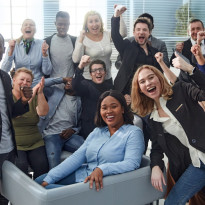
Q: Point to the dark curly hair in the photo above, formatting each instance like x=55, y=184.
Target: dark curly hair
x=128, y=115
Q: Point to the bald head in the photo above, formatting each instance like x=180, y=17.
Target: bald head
x=2, y=48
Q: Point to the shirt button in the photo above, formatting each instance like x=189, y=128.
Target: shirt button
x=193, y=141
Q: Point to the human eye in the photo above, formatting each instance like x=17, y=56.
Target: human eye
x=141, y=82
x=114, y=106
x=103, y=107
x=101, y=69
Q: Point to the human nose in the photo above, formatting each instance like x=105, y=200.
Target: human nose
x=148, y=82
x=109, y=110
x=24, y=82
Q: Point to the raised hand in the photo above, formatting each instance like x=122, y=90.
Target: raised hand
x=85, y=60
x=45, y=47
x=128, y=99
x=200, y=36
x=82, y=36
x=119, y=10
x=159, y=57
x=180, y=46
x=196, y=50
x=180, y=63
x=12, y=44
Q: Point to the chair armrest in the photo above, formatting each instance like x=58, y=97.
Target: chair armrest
x=133, y=187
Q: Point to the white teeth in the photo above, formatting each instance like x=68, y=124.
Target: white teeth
x=150, y=88
x=110, y=117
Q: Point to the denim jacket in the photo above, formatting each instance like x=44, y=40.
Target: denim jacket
x=54, y=96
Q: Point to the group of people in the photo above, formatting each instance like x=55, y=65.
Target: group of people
x=63, y=97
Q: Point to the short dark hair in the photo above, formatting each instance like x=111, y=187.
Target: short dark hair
x=143, y=20
x=149, y=16
x=97, y=61
x=62, y=14
x=128, y=115
x=196, y=20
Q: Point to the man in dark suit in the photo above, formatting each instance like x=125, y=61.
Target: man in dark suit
x=154, y=42
x=195, y=26
x=134, y=54
x=8, y=110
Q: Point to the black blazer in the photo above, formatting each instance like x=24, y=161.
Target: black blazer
x=14, y=109
x=129, y=54
x=184, y=106
x=186, y=51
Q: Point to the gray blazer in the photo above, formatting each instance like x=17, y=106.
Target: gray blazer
x=156, y=43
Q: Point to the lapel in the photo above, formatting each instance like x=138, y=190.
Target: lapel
x=7, y=89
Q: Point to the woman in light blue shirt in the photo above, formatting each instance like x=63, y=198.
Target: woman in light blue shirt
x=115, y=146
x=28, y=52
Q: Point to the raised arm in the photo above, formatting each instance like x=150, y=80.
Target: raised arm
x=123, y=27
x=196, y=50
x=46, y=63
x=42, y=108
x=163, y=50
x=79, y=84
x=7, y=63
x=120, y=44
x=79, y=48
x=169, y=74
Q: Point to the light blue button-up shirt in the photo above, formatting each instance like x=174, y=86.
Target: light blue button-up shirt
x=34, y=60
x=122, y=152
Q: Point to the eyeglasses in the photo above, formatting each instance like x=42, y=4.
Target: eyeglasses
x=101, y=70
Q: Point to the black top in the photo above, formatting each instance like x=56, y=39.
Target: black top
x=90, y=93
x=185, y=108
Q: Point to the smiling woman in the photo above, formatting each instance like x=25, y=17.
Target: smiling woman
x=174, y=117
x=95, y=42
x=115, y=146
x=28, y=52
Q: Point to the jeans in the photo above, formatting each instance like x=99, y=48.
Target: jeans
x=55, y=143
x=191, y=181
x=70, y=179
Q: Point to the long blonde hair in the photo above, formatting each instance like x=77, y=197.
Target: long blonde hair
x=92, y=13
x=141, y=104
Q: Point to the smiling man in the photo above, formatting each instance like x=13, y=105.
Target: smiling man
x=133, y=54
x=90, y=90
x=195, y=25
x=61, y=46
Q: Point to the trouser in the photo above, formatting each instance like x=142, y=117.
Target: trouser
x=55, y=143
x=70, y=179
x=36, y=159
x=191, y=182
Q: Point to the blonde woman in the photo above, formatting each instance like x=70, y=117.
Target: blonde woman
x=176, y=129
x=28, y=52
x=30, y=145
x=95, y=42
